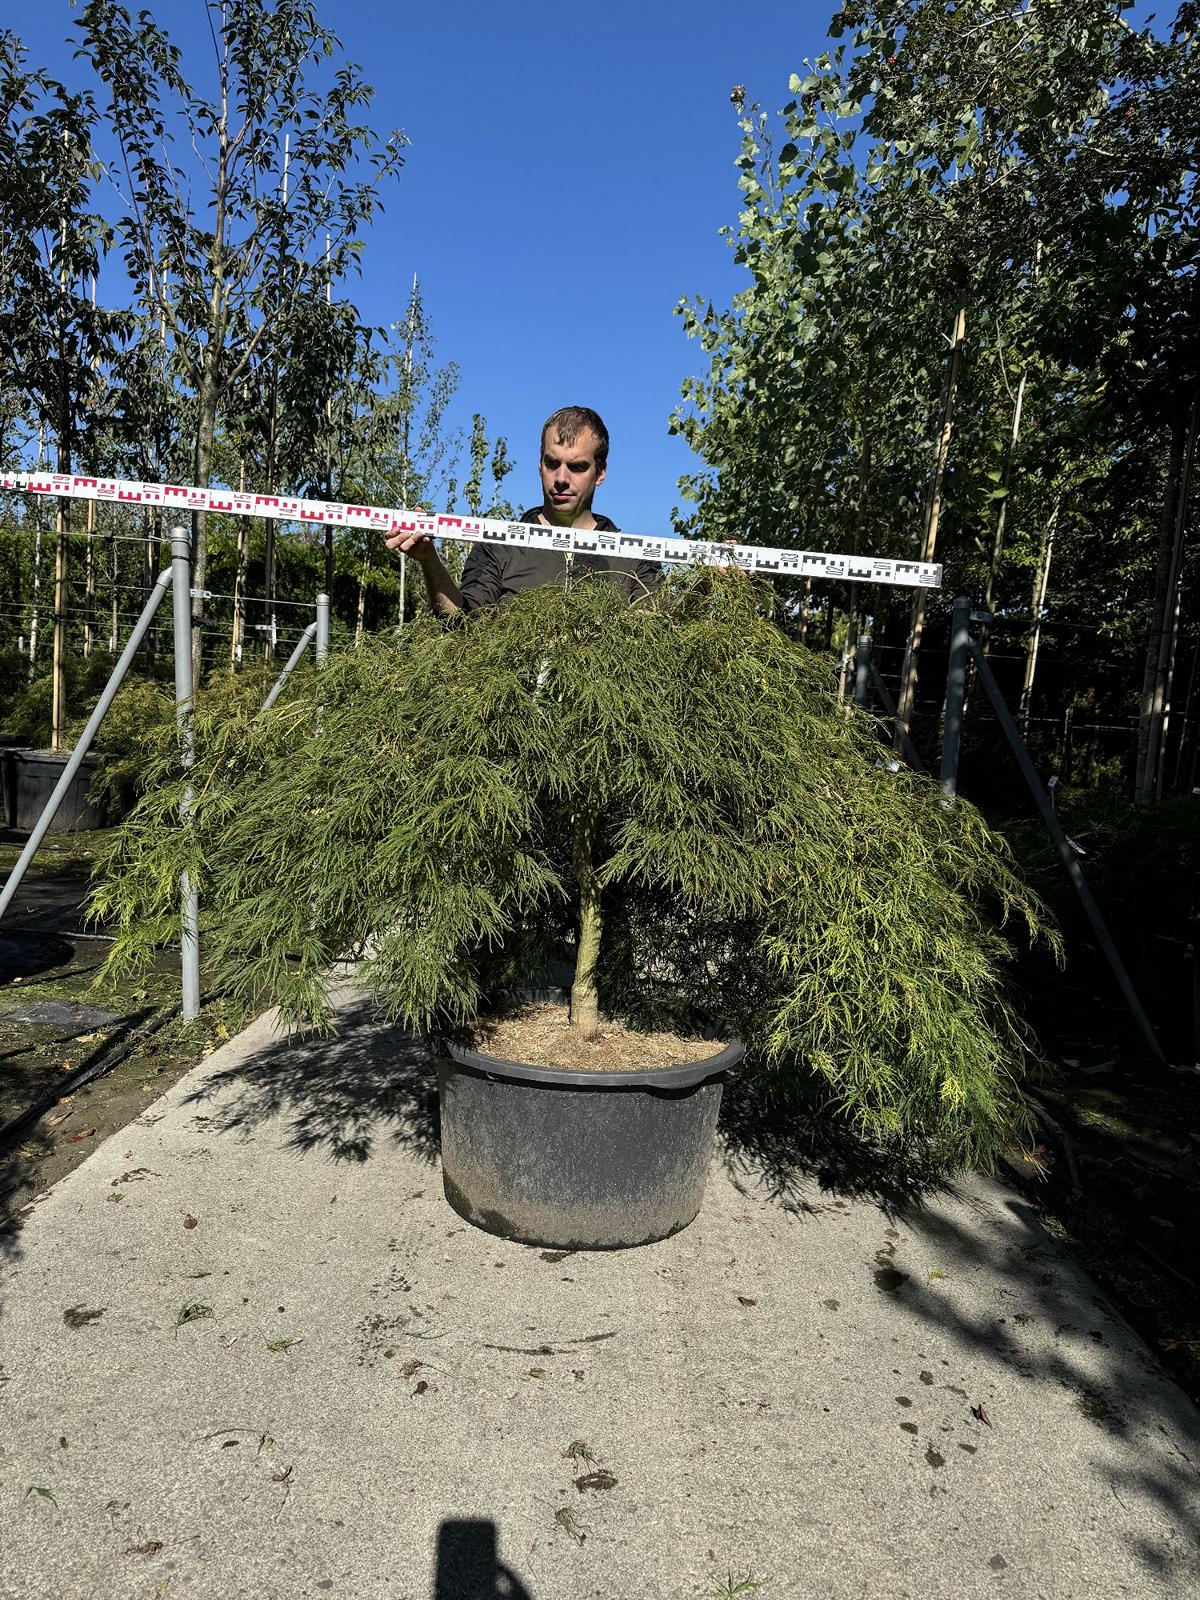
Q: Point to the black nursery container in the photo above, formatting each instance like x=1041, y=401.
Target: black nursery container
x=578, y=1160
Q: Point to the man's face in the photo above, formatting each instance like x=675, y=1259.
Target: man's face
x=569, y=475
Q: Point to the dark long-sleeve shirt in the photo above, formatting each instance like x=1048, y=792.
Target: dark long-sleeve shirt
x=494, y=573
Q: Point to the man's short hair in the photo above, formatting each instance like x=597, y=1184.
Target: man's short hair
x=568, y=423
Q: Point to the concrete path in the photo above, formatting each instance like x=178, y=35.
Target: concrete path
x=792, y=1388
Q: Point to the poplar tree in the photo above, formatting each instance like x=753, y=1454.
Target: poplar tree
x=240, y=194
x=53, y=335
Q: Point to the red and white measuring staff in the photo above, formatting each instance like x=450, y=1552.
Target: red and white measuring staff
x=481, y=530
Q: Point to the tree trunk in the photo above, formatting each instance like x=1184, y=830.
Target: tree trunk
x=36, y=596
x=805, y=604
x=1161, y=643
x=63, y=521
x=849, y=648
x=362, y=602
x=585, y=1005
x=58, y=715
x=59, y=661
x=1041, y=579
x=933, y=512
x=269, y=530
x=89, y=583
x=239, y=580
x=1014, y=434
x=207, y=398
x=1187, y=711
x=112, y=590
x=1005, y=484
x=154, y=547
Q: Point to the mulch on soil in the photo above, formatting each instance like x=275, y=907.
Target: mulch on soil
x=539, y=1035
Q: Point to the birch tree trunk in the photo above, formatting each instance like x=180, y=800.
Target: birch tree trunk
x=933, y=511
x=239, y=580
x=1005, y=484
x=1014, y=434
x=269, y=528
x=1041, y=579
x=849, y=646
x=805, y=604
x=112, y=590
x=59, y=662
x=1176, y=593
x=34, y=599
x=62, y=522
x=89, y=583
x=1160, y=645
x=362, y=603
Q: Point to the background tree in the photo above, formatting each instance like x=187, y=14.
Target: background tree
x=954, y=283
x=53, y=336
x=215, y=240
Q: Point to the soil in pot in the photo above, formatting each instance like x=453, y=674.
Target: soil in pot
x=539, y=1033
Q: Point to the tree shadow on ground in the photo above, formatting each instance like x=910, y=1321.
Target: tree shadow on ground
x=1061, y=1330
x=336, y=1095
x=784, y=1131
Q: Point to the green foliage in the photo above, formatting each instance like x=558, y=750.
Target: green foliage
x=1042, y=180
x=27, y=715
x=759, y=862
x=52, y=335
x=14, y=678
x=142, y=718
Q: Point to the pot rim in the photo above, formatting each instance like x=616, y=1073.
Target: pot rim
x=683, y=1075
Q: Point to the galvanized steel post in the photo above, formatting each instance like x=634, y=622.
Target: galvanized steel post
x=956, y=693
x=862, y=670
x=181, y=567
x=322, y=629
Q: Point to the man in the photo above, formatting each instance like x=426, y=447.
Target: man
x=574, y=460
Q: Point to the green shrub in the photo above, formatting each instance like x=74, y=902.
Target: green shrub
x=674, y=777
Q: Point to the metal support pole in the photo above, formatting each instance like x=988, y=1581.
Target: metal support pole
x=292, y=661
x=41, y=827
x=862, y=670
x=322, y=629
x=1065, y=852
x=907, y=747
x=956, y=693
x=190, y=901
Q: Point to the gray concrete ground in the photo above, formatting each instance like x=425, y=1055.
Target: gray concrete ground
x=839, y=1400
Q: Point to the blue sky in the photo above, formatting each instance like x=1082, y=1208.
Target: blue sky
x=568, y=172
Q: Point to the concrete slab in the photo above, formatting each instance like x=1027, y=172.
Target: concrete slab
x=248, y=1351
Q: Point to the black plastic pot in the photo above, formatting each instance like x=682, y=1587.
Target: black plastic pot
x=30, y=777
x=578, y=1160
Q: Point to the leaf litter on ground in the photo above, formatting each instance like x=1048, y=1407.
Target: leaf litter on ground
x=191, y=1313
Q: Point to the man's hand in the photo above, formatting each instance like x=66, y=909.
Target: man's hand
x=418, y=545
x=444, y=594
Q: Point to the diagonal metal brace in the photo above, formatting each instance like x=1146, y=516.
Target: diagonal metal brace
x=1066, y=854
